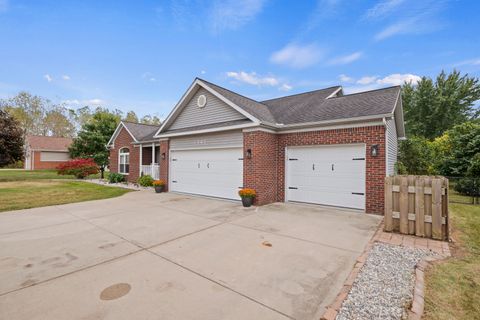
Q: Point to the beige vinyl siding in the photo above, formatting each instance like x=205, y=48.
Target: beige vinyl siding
x=54, y=156
x=392, y=146
x=215, y=111
x=229, y=139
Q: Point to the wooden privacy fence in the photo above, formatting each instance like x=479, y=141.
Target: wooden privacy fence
x=417, y=205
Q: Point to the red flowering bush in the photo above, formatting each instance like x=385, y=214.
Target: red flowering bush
x=80, y=168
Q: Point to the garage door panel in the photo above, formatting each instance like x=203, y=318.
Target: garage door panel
x=212, y=172
x=331, y=175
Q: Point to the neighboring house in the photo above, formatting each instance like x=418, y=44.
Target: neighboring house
x=43, y=152
x=320, y=147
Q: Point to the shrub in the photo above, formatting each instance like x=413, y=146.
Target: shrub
x=115, y=177
x=468, y=187
x=80, y=168
x=247, y=193
x=15, y=165
x=145, y=181
x=158, y=183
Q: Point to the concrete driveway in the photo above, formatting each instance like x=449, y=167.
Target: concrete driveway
x=171, y=256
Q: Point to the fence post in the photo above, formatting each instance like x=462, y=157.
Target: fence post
x=419, y=207
x=437, y=209
x=388, y=204
x=404, y=205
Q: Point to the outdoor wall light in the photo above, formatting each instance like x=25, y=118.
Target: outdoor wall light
x=249, y=153
x=374, y=150
x=163, y=155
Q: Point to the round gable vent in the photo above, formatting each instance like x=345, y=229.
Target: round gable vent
x=201, y=101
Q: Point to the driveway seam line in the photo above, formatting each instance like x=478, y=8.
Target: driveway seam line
x=221, y=284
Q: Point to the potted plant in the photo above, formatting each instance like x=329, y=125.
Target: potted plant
x=159, y=185
x=247, y=196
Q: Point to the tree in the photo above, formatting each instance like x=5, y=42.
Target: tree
x=415, y=156
x=148, y=119
x=39, y=116
x=131, y=117
x=462, y=154
x=432, y=107
x=11, y=139
x=92, y=140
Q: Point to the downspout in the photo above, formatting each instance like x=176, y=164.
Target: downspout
x=386, y=146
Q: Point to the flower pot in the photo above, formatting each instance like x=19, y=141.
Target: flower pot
x=159, y=189
x=247, y=201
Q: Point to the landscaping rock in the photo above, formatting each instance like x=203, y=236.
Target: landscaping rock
x=384, y=287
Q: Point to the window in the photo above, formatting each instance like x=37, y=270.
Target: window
x=124, y=161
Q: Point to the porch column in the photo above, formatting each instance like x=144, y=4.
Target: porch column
x=141, y=160
x=153, y=154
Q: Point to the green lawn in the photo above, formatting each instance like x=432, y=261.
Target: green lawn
x=17, y=195
x=22, y=175
x=453, y=286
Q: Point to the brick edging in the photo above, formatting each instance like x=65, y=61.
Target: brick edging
x=418, y=302
x=416, y=311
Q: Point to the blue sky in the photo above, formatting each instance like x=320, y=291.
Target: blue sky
x=143, y=55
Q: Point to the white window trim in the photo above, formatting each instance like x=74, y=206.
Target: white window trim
x=120, y=154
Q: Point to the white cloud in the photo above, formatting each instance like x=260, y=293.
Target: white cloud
x=65, y=77
x=345, y=78
x=383, y=8
x=285, y=87
x=298, y=56
x=203, y=72
x=366, y=80
x=471, y=62
x=95, y=101
x=253, y=78
x=417, y=17
x=48, y=78
x=149, y=77
x=398, y=79
x=373, y=82
x=232, y=14
x=346, y=59
x=70, y=102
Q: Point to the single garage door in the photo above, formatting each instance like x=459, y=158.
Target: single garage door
x=211, y=172
x=330, y=175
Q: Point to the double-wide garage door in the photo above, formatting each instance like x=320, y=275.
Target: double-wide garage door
x=211, y=172
x=330, y=175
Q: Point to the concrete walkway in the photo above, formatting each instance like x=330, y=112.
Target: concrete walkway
x=171, y=256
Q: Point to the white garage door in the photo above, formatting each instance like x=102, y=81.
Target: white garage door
x=330, y=175
x=211, y=172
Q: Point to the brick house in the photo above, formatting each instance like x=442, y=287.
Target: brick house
x=41, y=152
x=320, y=147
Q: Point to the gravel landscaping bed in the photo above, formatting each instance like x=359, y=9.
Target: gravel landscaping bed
x=384, y=287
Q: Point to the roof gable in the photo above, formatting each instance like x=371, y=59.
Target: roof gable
x=214, y=111
x=138, y=131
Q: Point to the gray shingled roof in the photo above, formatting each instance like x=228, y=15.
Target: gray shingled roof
x=314, y=106
x=141, y=132
x=256, y=109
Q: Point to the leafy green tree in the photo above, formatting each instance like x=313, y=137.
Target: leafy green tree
x=461, y=156
x=92, y=140
x=11, y=139
x=57, y=123
x=432, y=107
x=415, y=156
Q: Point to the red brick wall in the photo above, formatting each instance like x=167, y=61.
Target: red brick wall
x=124, y=139
x=375, y=165
x=260, y=172
x=164, y=148
x=39, y=165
